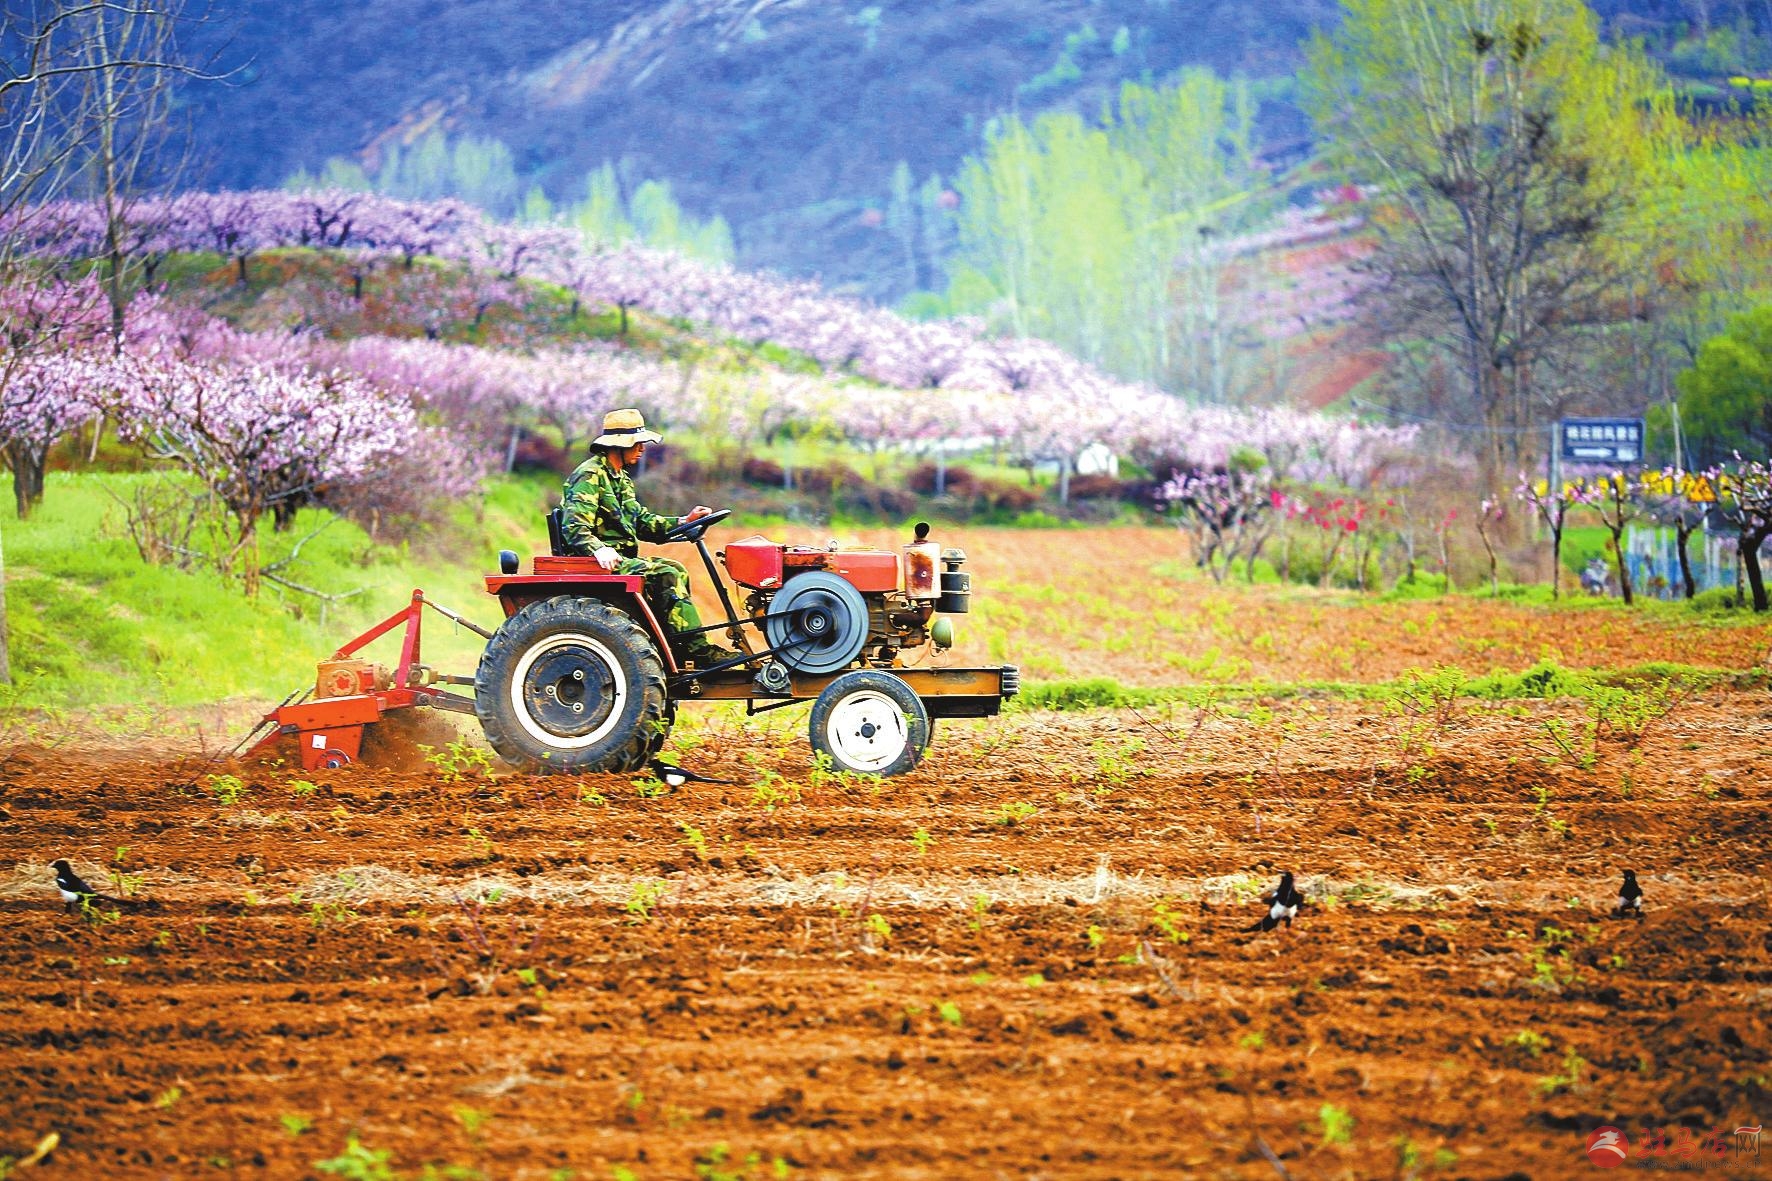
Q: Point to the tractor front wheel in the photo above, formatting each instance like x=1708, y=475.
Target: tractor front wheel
x=870, y=722
x=572, y=684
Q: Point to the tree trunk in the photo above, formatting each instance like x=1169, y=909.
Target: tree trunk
x=1750, y=561
x=1623, y=566
x=247, y=549
x=1557, y=559
x=1683, y=534
x=111, y=197
x=5, y=647
x=27, y=476
x=283, y=513
x=1330, y=554
x=1492, y=392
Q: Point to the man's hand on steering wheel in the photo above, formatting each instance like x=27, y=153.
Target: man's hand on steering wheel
x=700, y=519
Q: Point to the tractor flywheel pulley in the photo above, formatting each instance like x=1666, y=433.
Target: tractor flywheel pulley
x=818, y=623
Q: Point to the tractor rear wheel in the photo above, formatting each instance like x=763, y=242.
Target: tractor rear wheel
x=572, y=684
x=870, y=722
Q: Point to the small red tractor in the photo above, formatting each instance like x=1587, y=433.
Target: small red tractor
x=582, y=676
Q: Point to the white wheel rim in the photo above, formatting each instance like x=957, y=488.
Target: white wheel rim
x=867, y=730
x=596, y=649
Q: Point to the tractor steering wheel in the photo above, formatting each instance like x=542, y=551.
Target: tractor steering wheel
x=693, y=530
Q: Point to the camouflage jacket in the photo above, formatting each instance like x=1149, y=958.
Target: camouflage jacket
x=601, y=508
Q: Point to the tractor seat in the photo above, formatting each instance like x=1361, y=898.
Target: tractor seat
x=557, y=534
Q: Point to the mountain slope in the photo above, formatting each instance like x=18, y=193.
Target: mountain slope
x=785, y=116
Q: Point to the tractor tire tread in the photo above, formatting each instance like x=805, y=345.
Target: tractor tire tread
x=620, y=753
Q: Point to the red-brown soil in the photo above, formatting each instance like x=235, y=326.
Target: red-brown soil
x=1125, y=603
x=1065, y=993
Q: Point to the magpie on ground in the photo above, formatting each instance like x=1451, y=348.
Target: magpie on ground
x=1630, y=897
x=74, y=889
x=1283, y=903
x=675, y=776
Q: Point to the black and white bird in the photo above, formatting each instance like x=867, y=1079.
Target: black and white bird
x=1630, y=897
x=1283, y=902
x=674, y=776
x=73, y=887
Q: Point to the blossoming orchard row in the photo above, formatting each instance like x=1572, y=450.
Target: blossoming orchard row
x=485, y=396
x=841, y=335
x=260, y=436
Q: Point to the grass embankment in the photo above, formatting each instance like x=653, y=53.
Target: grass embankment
x=92, y=624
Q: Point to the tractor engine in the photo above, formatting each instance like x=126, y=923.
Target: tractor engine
x=824, y=609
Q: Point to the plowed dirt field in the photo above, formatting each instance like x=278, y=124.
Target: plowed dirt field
x=1028, y=958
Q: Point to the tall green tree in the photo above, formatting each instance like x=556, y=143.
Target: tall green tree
x=1516, y=155
x=1074, y=230
x=1726, y=397
x=901, y=221
x=1707, y=264
x=935, y=221
x=1713, y=263
x=602, y=215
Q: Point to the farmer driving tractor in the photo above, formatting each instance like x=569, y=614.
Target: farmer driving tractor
x=602, y=518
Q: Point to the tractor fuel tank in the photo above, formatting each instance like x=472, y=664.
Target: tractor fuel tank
x=754, y=561
x=761, y=564
x=867, y=570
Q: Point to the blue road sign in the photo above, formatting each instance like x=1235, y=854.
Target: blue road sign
x=1600, y=440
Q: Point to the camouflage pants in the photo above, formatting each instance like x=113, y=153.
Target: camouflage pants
x=666, y=586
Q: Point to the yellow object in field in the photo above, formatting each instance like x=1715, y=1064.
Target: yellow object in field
x=44, y=1147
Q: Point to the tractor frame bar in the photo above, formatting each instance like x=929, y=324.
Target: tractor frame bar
x=946, y=692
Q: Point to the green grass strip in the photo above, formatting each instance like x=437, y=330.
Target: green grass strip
x=1542, y=681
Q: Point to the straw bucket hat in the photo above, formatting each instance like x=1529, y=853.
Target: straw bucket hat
x=624, y=428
